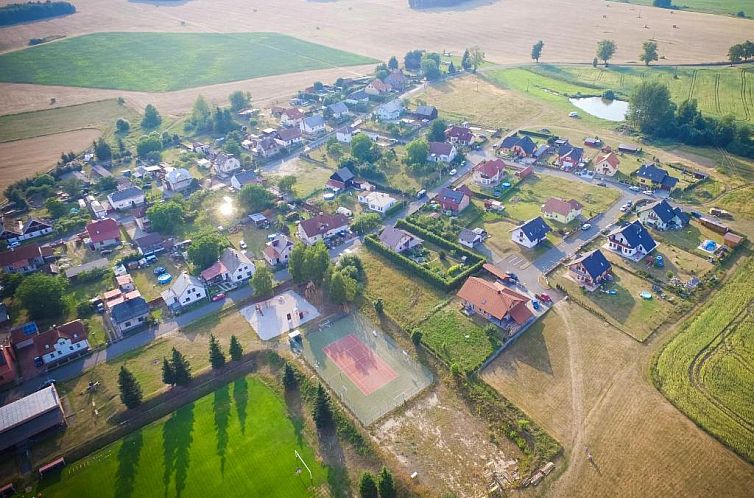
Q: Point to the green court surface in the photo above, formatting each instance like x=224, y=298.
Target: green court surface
x=238, y=441
x=369, y=372
x=158, y=62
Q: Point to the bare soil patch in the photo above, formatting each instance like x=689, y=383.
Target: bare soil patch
x=23, y=158
x=588, y=385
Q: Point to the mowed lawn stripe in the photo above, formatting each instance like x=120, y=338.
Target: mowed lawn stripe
x=155, y=62
x=237, y=441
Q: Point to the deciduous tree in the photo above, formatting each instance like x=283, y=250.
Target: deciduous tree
x=239, y=100
x=437, y=131
x=262, y=281
x=256, y=198
x=606, y=50
x=416, y=152
x=205, y=249
x=649, y=53
x=166, y=217
x=42, y=295
x=536, y=50
x=152, y=118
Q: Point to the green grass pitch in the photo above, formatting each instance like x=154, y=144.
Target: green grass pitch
x=237, y=441
x=157, y=62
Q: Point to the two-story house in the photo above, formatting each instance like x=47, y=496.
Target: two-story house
x=225, y=165
x=277, y=251
x=531, y=233
x=24, y=259
x=631, y=241
x=321, y=226
x=443, y=152
x=489, y=173
x=460, y=135
x=185, y=291
x=128, y=312
x=61, y=343
x=178, y=179
x=561, y=210
x=232, y=267
x=663, y=216
x=453, y=201
x=590, y=270
x=103, y=233
x=495, y=302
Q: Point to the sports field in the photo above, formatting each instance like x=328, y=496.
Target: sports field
x=364, y=366
x=707, y=370
x=238, y=441
x=158, y=62
x=718, y=90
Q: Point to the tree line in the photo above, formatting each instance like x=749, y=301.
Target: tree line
x=15, y=13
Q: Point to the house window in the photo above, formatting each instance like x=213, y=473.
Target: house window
x=187, y=299
x=128, y=324
x=141, y=318
x=70, y=347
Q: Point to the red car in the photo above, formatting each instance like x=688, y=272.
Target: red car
x=545, y=298
x=218, y=297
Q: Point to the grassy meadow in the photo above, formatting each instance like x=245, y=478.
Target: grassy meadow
x=719, y=90
x=706, y=368
x=237, y=441
x=158, y=62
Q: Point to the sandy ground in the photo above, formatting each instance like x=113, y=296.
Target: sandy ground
x=23, y=158
x=588, y=385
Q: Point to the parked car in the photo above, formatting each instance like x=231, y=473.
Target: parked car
x=242, y=245
x=159, y=270
x=218, y=297
x=648, y=192
x=421, y=193
x=586, y=226
x=601, y=184
x=453, y=172
x=634, y=188
x=545, y=298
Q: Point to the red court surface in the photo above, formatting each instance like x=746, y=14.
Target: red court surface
x=365, y=369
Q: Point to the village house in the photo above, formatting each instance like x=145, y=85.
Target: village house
x=606, y=164
x=651, y=175
x=489, y=173
x=266, y=147
x=225, y=165
x=345, y=134
x=378, y=202
x=185, y=291
x=150, y=243
x=377, y=87
x=126, y=198
x=663, y=216
x=569, y=157
x=399, y=240
x=560, y=210
x=390, y=111
x=128, y=312
x=98, y=209
x=61, y=343
x=178, y=179
x=453, y=201
x=631, y=241
x=592, y=142
x=459, y=135
x=25, y=259
x=291, y=117
x=530, y=233
x=397, y=80
x=277, y=251
x=470, y=238
x=342, y=179
x=16, y=232
x=590, y=270
x=518, y=146
x=320, y=227
x=428, y=112
x=495, y=302
x=288, y=137
x=338, y=110
x=441, y=152
x=243, y=178
x=313, y=125
x=232, y=267
x=103, y=233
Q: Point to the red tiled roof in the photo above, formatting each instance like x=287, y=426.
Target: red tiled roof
x=293, y=113
x=322, y=223
x=611, y=158
x=490, y=168
x=557, y=205
x=495, y=299
x=75, y=331
x=213, y=271
x=20, y=255
x=458, y=132
x=102, y=230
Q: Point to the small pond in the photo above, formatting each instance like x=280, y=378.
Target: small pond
x=611, y=110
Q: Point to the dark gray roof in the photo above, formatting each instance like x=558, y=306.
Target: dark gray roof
x=450, y=195
x=426, y=110
x=664, y=211
x=636, y=235
x=535, y=229
x=126, y=193
x=342, y=175
x=127, y=310
x=657, y=175
x=27, y=408
x=467, y=235
x=595, y=263
x=245, y=177
x=338, y=108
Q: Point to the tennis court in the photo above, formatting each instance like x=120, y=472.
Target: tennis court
x=365, y=368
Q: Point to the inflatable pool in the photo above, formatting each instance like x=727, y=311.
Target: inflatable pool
x=164, y=278
x=646, y=295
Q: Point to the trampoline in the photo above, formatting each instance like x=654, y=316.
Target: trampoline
x=646, y=295
x=164, y=278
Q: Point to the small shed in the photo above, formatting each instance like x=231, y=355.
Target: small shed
x=732, y=240
x=259, y=220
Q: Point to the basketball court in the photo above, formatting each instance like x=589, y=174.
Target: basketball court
x=365, y=368
x=279, y=314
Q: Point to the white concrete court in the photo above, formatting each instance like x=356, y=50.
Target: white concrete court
x=279, y=315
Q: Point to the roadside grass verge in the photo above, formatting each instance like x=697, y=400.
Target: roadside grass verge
x=706, y=369
x=159, y=62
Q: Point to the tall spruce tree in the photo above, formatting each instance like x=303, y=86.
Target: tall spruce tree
x=216, y=355
x=386, y=484
x=130, y=390
x=289, y=377
x=168, y=374
x=181, y=368
x=322, y=411
x=235, y=349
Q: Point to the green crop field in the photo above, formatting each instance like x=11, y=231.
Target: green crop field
x=731, y=7
x=156, y=62
x=238, y=441
x=718, y=91
x=707, y=370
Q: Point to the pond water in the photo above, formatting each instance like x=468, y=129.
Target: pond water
x=612, y=110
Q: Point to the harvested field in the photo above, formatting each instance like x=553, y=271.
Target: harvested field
x=725, y=7
x=24, y=158
x=587, y=385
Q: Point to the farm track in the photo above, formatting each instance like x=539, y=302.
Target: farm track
x=693, y=84
x=717, y=93
x=747, y=112
x=703, y=356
